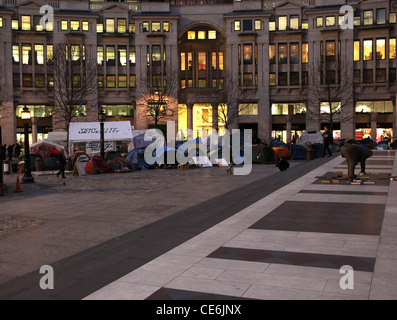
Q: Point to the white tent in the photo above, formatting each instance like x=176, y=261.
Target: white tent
x=90, y=134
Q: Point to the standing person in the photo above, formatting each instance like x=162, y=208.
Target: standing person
x=17, y=150
x=327, y=136
x=10, y=150
x=3, y=150
x=62, y=162
x=354, y=154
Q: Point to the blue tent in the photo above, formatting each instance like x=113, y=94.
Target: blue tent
x=164, y=151
x=299, y=152
x=137, y=160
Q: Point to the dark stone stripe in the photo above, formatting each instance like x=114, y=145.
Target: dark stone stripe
x=350, y=218
x=295, y=258
x=177, y=294
x=361, y=193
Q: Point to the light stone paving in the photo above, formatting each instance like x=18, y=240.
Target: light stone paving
x=187, y=266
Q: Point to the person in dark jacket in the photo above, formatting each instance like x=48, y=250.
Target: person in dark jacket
x=10, y=150
x=3, y=150
x=62, y=162
x=355, y=154
x=17, y=150
x=327, y=136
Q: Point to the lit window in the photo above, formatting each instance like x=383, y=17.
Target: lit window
x=221, y=61
x=213, y=61
x=121, y=26
x=145, y=27
x=25, y=22
x=330, y=51
x=248, y=109
x=85, y=25
x=39, y=80
x=50, y=53
x=156, y=26
x=191, y=35
x=131, y=28
x=305, y=53
x=201, y=35
x=294, y=22
x=190, y=61
x=156, y=53
x=212, y=35
x=258, y=25
x=357, y=21
x=74, y=25
x=282, y=54
x=202, y=61
x=183, y=61
x=272, y=53
x=272, y=26
x=393, y=17
x=14, y=24
x=320, y=22
x=166, y=26
x=64, y=25
x=330, y=21
x=111, y=81
x=202, y=83
x=110, y=56
x=122, y=81
x=99, y=55
x=1, y=22
x=237, y=25
x=132, y=56
x=50, y=80
x=282, y=23
x=101, y=81
x=75, y=52
x=99, y=28
x=49, y=26
x=247, y=55
x=26, y=54
x=272, y=79
x=39, y=53
x=357, y=54
x=132, y=80
x=380, y=49
x=122, y=55
x=368, y=50
x=392, y=48
x=294, y=53
x=368, y=17
x=110, y=25
x=305, y=24
x=15, y=54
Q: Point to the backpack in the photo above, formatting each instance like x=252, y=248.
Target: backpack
x=283, y=165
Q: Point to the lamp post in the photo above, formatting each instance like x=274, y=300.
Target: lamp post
x=25, y=115
x=102, y=117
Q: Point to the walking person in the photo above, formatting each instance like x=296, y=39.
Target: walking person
x=10, y=150
x=327, y=136
x=17, y=150
x=355, y=154
x=62, y=162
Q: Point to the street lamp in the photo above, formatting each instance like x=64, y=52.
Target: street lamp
x=102, y=118
x=25, y=115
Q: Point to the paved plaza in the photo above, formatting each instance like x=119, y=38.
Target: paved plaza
x=203, y=234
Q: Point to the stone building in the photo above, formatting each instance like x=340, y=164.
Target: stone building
x=290, y=63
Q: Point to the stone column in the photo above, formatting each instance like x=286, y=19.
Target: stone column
x=189, y=107
x=289, y=127
x=9, y=123
x=374, y=119
x=214, y=117
x=34, y=130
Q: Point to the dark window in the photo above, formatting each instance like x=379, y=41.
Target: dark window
x=282, y=53
x=392, y=75
x=381, y=16
x=247, y=79
x=294, y=79
x=27, y=80
x=357, y=76
x=368, y=76
x=380, y=75
x=247, y=25
x=282, y=78
x=16, y=80
x=330, y=76
x=39, y=80
x=305, y=77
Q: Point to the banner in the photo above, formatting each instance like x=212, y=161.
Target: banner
x=91, y=131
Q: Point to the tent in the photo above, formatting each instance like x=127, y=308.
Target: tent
x=46, y=148
x=263, y=154
x=120, y=164
x=213, y=142
x=310, y=136
x=110, y=155
x=79, y=156
x=97, y=165
x=299, y=151
x=282, y=152
x=137, y=160
x=165, y=151
x=90, y=134
x=193, y=148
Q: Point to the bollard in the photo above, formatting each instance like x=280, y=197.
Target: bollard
x=38, y=164
x=309, y=154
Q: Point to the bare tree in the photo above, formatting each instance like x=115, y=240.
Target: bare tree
x=231, y=100
x=157, y=91
x=75, y=81
x=330, y=87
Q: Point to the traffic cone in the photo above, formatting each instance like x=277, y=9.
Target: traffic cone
x=18, y=188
